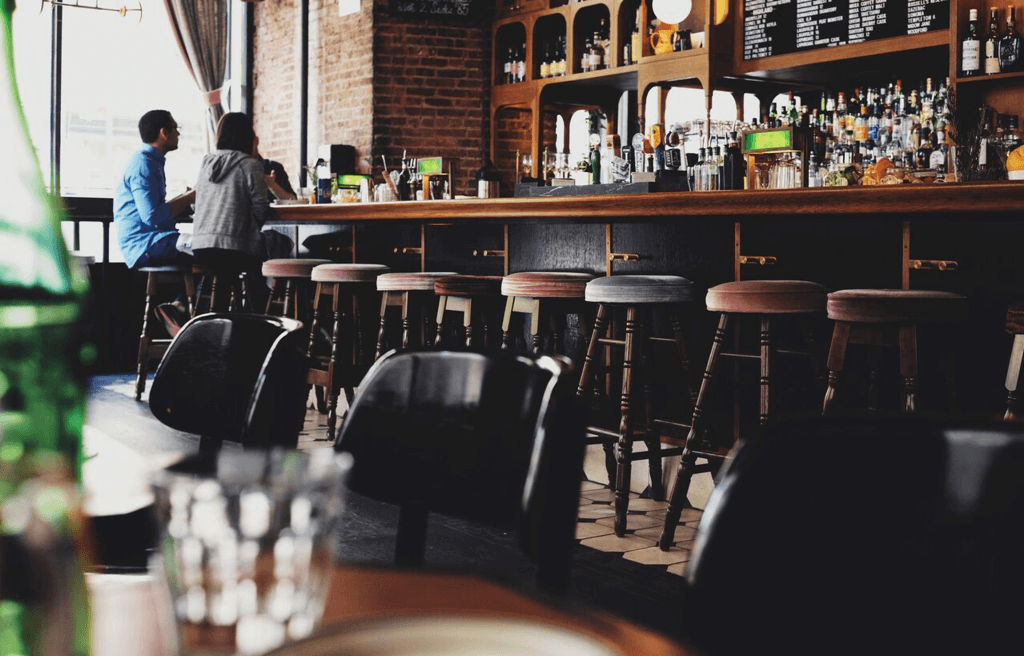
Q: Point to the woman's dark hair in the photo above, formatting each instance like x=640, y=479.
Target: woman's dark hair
x=152, y=122
x=234, y=132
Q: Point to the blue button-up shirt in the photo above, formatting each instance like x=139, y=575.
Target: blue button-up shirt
x=141, y=213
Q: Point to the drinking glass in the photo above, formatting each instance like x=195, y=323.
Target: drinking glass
x=247, y=545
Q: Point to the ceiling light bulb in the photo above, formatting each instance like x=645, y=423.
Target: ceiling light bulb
x=672, y=11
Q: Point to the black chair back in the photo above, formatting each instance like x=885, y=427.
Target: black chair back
x=850, y=537
x=234, y=376
x=488, y=436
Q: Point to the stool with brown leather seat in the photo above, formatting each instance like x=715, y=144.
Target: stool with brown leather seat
x=536, y=294
x=886, y=317
x=347, y=359
x=477, y=298
x=637, y=295
x=290, y=290
x=767, y=301
x=413, y=294
x=150, y=347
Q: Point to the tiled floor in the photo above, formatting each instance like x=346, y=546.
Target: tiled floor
x=596, y=516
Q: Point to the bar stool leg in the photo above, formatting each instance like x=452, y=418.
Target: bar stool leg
x=908, y=366
x=836, y=356
x=333, y=390
x=384, y=303
x=688, y=459
x=586, y=375
x=142, y=368
x=623, y=471
x=1013, y=372
x=442, y=304
x=651, y=436
x=467, y=322
x=767, y=358
x=676, y=323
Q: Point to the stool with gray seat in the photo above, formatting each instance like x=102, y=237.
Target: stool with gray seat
x=636, y=296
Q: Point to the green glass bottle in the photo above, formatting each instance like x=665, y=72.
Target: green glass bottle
x=42, y=399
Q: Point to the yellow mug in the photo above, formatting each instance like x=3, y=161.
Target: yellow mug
x=661, y=41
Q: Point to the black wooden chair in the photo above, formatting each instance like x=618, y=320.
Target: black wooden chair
x=234, y=376
x=882, y=536
x=486, y=436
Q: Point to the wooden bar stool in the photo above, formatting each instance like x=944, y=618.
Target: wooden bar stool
x=766, y=300
x=150, y=347
x=477, y=298
x=537, y=295
x=413, y=294
x=220, y=290
x=290, y=289
x=886, y=317
x=637, y=295
x=346, y=362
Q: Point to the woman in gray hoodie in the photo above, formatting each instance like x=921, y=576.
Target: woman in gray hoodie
x=231, y=206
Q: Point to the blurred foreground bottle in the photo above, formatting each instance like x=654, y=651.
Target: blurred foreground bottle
x=43, y=603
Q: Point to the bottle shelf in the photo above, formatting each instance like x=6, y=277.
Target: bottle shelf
x=982, y=79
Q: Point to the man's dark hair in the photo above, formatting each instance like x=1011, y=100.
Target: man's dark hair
x=234, y=132
x=152, y=122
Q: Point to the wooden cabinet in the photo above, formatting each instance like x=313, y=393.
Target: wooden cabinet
x=717, y=27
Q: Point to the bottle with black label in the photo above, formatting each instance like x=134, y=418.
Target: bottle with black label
x=1010, y=46
x=970, y=56
x=992, y=43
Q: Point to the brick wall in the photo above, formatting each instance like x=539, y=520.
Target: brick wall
x=379, y=82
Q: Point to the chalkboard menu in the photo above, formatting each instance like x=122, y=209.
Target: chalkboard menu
x=777, y=27
x=442, y=9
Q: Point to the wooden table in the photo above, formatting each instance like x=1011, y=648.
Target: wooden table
x=363, y=593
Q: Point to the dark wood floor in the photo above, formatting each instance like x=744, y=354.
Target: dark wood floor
x=606, y=580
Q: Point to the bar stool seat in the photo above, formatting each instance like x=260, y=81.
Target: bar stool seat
x=631, y=289
x=765, y=300
x=635, y=420
x=411, y=282
x=345, y=365
x=348, y=272
x=881, y=317
x=546, y=284
x=468, y=286
x=413, y=294
x=291, y=267
x=767, y=297
x=475, y=297
x=895, y=305
x=528, y=293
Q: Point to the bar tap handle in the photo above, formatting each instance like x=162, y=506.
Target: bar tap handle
x=623, y=257
x=408, y=250
x=488, y=253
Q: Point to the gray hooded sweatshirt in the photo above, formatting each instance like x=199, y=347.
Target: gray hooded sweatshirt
x=231, y=203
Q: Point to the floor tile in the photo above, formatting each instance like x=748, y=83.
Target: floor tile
x=683, y=533
x=613, y=543
x=590, y=485
x=599, y=495
x=633, y=522
x=679, y=569
x=647, y=505
x=688, y=516
x=655, y=556
x=596, y=511
x=586, y=530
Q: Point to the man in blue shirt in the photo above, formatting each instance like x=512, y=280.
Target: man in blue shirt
x=146, y=230
x=145, y=223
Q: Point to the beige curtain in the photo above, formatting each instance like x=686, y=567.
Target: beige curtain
x=201, y=29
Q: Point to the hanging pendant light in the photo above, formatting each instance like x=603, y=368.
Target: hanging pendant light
x=672, y=11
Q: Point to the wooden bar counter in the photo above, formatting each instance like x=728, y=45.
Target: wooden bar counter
x=965, y=238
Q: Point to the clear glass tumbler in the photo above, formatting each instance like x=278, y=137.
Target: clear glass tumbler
x=247, y=545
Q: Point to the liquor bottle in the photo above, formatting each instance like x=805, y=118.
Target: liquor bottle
x=922, y=156
x=734, y=165
x=874, y=122
x=635, y=45
x=597, y=53
x=1011, y=50
x=940, y=153
x=520, y=64
x=585, y=56
x=970, y=54
x=404, y=182
x=545, y=64
x=860, y=126
x=595, y=165
x=506, y=67
x=43, y=362
x=699, y=184
x=992, y=43
x=813, y=173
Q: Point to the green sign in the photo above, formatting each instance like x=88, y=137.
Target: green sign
x=768, y=140
x=351, y=180
x=432, y=165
